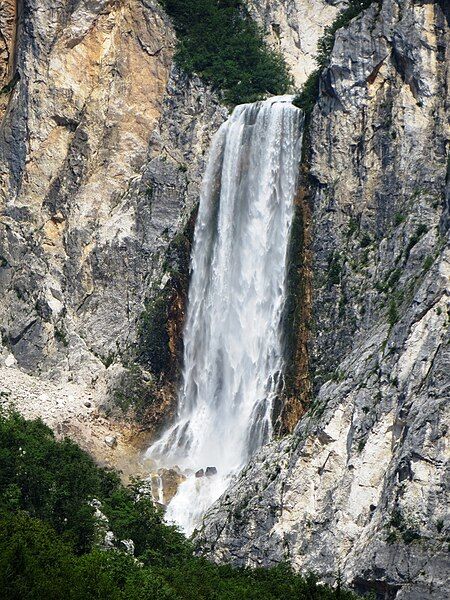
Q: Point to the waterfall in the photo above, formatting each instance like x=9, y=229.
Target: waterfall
x=157, y=488
x=232, y=340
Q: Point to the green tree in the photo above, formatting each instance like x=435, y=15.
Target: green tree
x=219, y=41
x=45, y=557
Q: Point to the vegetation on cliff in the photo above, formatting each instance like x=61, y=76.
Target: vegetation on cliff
x=220, y=42
x=51, y=535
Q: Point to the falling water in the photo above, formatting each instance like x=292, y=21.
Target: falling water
x=232, y=341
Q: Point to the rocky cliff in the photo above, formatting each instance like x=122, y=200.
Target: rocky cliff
x=294, y=27
x=102, y=146
x=102, y=149
x=361, y=486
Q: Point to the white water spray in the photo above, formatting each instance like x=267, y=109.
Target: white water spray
x=232, y=339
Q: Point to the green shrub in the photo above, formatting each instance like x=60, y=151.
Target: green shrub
x=154, y=335
x=307, y=98
x=220, y=42
x=393, y=278
x=51, y=480
x=8, y=88
x=421, y=229
x=352, y=227
x=366, y=240
x=335, y=269
x=399, y=218
x=43, y=481
x=392, y=313
x=409, y=535
x=427, y=263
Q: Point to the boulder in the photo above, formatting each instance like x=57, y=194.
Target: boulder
x=111, y=441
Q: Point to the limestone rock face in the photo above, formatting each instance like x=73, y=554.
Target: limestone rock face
x=362, y=485
x=294, y=27
x=8, y=20
x=102, y=148
x=94, y=178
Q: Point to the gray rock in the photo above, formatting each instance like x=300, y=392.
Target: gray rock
x=111, y=178
x=109, y=541
x=129, y=546
x=111, y=441
x=10, y=361
x=294, y=27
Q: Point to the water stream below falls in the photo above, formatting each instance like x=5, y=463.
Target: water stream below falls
x=232, y=339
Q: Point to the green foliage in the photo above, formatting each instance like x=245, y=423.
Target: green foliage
x=428, y=263
x=135, y=390
x=399, y=218
x=42, y=557
x=366, y=240
x=61, y=336
x=50, y=480
x=153, y=333
x=307, y=98
x=394, y=278
x=352, y=227
x=421, y=229
x=335, y=269
x=392, y=313
x=220, y=42
x=408, y=531
x=8, y=88
x=34, y=560
x=138, y=519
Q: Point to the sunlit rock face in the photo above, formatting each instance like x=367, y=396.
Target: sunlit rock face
x=102, y=146
x=82, y=124
x=362, y=484
x=74, y=138
x=294, y=27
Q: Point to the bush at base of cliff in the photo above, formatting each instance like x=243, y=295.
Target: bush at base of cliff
x=220, y=42
x=45, y=491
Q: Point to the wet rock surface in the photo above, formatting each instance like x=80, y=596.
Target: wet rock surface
x=163, y=483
